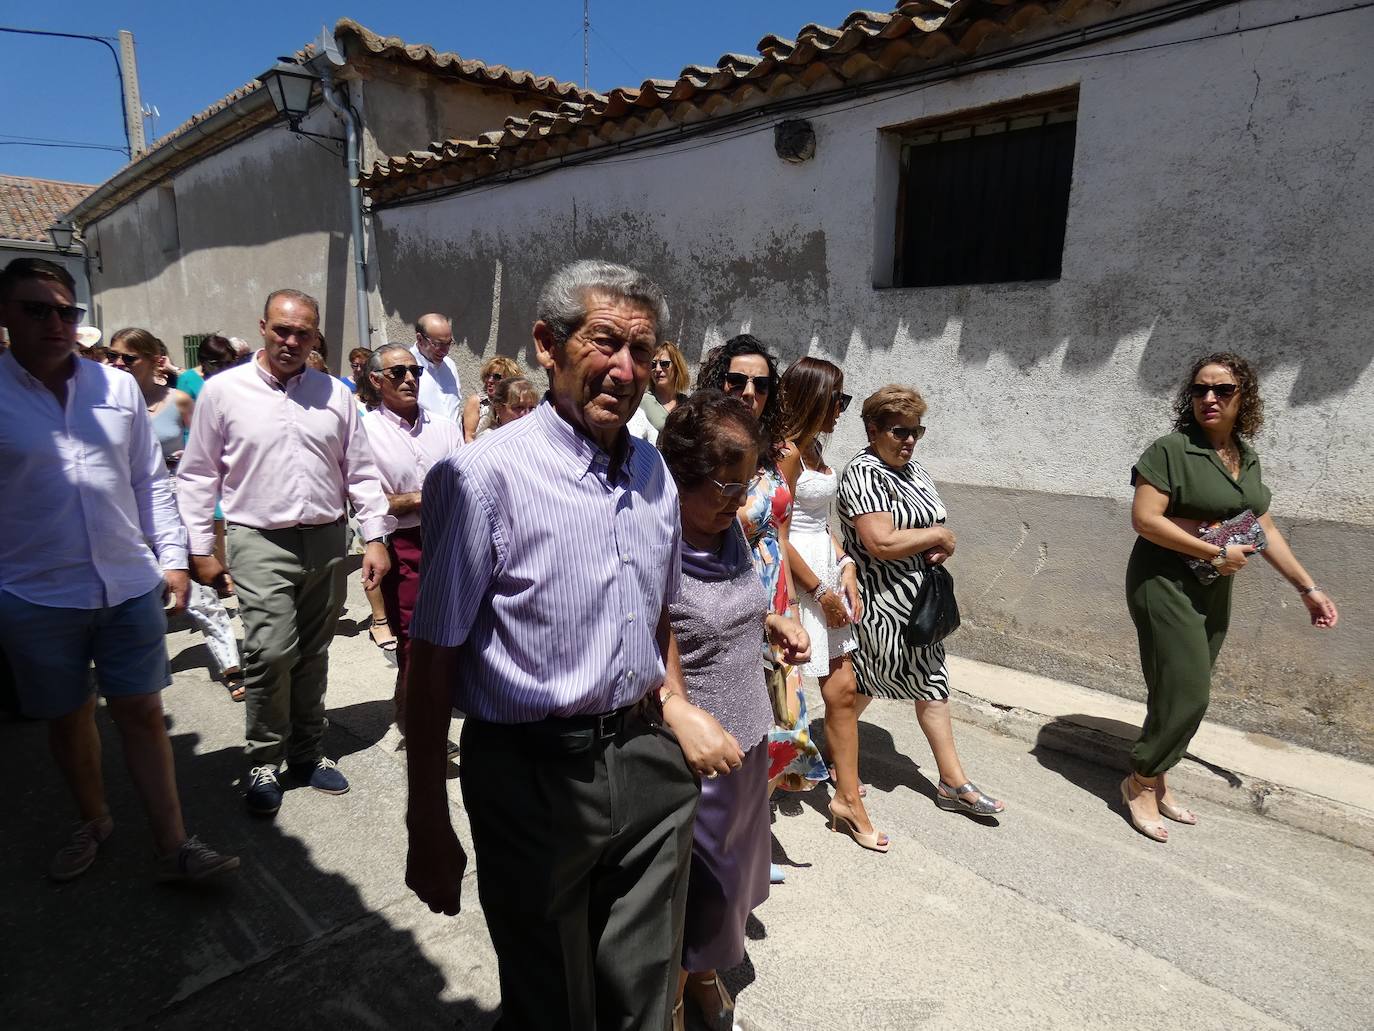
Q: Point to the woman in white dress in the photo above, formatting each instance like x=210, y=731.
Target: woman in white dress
x=813, y=399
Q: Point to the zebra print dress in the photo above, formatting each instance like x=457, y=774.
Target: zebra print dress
x=885, y=665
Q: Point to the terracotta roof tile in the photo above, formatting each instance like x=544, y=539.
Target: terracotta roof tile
x=423, y=56
x=29, y=206
x=869, y=45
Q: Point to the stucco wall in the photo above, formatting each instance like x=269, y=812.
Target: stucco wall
x=1217, y=202
x=270, y=211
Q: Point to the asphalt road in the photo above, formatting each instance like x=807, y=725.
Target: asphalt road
x=1056, y=916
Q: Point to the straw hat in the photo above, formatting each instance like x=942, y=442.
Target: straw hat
x=87, y=336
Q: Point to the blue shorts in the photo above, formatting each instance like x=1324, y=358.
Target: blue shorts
x=51, y=651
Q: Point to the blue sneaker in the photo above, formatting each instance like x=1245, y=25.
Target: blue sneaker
x=776, y=874
x=264, y=792
x=324, y=775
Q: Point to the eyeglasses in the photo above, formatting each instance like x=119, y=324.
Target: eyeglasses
x=122, y=358
x=901, y=434
x=736, y=382
x=397, y=373
x=40, y=310
x=492, y=377
x=662, y=363
x=734, y=491
x=842, y=400
x=1224, y=391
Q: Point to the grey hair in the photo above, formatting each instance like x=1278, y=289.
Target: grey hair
x=563, y=301
x=374, y=360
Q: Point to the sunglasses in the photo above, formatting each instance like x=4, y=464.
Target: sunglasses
x=842, y=400
x=901, y=434
x=397, y=373
x=40, y=310
x=737, y=382
x=492, y=377
x=121, y=358
x=1224, y=391
x=733, y=491
x=661, y=363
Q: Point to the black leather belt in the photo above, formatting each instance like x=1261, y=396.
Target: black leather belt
x=577, y=735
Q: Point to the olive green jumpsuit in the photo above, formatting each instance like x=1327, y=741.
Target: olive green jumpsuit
x=1180, y=621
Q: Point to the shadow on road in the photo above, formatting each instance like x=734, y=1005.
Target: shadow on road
x=282, y=943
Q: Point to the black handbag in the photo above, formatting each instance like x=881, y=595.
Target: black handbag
x=936, y=613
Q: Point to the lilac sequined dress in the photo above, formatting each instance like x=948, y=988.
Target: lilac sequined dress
x=718, y=622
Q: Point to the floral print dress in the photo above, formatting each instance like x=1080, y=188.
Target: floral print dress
x=765, y=509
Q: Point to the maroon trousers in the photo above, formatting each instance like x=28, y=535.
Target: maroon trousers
x=400, y=587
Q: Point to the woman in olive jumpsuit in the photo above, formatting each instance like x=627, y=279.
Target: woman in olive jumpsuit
x=1203, y=472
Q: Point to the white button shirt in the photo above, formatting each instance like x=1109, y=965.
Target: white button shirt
x=440, y=392
x=87, y=517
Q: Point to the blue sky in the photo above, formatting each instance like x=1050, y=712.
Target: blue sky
x=191, y=54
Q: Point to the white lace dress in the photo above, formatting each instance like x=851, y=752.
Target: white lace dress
x=810, y=536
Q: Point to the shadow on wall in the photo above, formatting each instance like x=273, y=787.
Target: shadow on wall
x=282, y=943
x=784, y=292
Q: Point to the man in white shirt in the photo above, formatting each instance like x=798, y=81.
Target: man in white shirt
x=440, y=392
x=90, y=546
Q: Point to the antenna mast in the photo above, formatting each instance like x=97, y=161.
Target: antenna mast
x=586, y=43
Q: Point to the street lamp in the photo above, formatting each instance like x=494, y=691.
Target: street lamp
x=289, y=86
x=62, y=233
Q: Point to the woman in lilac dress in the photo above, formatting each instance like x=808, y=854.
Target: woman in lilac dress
x=710, y=443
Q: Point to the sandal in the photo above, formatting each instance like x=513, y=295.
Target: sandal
x=1153, y=831
x=233, y=683
x=1177, y=813
x=386, y=646
x=870, y=840
x=951, y=800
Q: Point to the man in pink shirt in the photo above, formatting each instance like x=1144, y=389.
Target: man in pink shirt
x=283, y=447
x=406, y=441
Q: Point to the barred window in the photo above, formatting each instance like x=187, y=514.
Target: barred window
x=985, y=199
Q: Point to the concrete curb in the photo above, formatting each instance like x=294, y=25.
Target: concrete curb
x=1286, y=805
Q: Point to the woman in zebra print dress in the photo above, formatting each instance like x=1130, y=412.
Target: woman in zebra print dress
x=893, y=523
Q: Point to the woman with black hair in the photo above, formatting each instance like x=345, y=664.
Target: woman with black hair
x=744, y=368
x=1203, y=473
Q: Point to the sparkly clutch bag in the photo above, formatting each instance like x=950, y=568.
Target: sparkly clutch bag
x=1239, y=529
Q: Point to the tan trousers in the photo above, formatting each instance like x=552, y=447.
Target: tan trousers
x=291, y=586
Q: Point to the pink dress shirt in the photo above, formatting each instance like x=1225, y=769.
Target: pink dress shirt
x=278, y=455
x=404, y=452
x=87, y=519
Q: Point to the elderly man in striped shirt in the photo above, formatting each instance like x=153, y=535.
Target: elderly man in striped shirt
x=551, y=554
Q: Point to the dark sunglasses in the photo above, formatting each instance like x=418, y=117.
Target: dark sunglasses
x=733, y=491
x=1224, y=391
x=397, y=373
x=736, y=382
x=661, y=363
x=120, y=358
x=901, y=434
x=40, y=310
x=842, y=400
x=492, y=377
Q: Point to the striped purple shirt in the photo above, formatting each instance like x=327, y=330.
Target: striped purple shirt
x=548, y=573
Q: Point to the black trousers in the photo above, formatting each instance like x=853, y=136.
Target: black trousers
x=582, y=873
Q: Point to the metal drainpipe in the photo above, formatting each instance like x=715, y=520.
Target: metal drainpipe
x=352, y=131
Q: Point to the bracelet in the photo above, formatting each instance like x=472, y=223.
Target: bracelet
x=820, y=592
x=1308, y=590
x=845, y=560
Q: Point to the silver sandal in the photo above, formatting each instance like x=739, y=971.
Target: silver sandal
x=981, y=806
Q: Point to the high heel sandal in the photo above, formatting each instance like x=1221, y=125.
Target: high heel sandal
x=1153, y=831
x=717, y=1012
x=679, y=1018
x=386, y=646
x=867, y=840
x=863, y=788
x=1177, y=813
